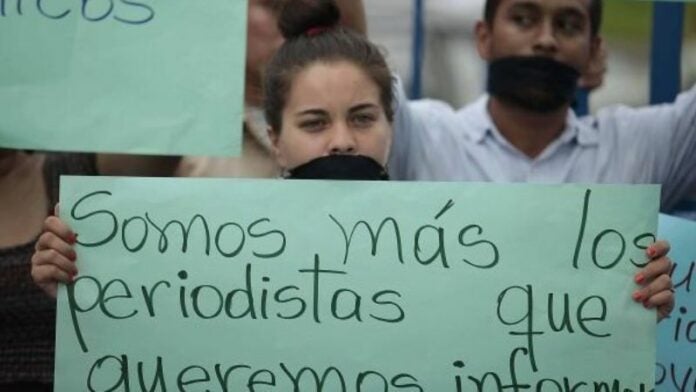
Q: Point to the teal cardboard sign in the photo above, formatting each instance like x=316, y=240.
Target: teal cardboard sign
x=676, y=344
x=233, y=285
x=128, y=76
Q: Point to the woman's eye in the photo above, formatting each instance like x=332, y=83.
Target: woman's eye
x=313, y=125
x=363, y=120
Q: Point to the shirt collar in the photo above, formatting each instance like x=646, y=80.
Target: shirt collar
x=588, y=128
x=481, y=122
x=584, y=130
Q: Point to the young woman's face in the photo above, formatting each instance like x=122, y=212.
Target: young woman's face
x=332, y=108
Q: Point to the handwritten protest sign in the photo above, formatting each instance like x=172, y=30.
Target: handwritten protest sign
x=233, y=285
x=135, y=76
x=676, y=354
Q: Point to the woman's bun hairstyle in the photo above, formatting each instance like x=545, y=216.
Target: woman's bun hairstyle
x=299, y=17
x=313, y=35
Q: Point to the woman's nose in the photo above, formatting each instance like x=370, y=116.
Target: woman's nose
x=342, y=140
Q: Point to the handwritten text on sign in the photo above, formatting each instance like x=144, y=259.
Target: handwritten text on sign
x=336, y=286
x=676, y=344
x=89, y=10
x=131, y=76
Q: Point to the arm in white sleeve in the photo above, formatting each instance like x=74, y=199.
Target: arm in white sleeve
x=421, y=130
x=662, y=141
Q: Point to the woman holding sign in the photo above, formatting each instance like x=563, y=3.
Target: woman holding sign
x=329, y=104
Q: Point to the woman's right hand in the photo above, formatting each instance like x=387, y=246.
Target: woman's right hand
x=54, y=256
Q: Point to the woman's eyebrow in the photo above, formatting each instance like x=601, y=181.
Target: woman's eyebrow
x=316, y=112
x=362, y=106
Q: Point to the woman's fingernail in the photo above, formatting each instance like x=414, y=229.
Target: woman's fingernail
x=637, y=296
x=651, y=252
x=72, y=256
x=640, y=278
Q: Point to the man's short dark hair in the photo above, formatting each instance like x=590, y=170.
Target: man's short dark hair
x=595, y=14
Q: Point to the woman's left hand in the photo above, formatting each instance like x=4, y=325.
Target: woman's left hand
x=657, y=290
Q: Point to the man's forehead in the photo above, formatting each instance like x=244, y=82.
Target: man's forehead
x=580, y=5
